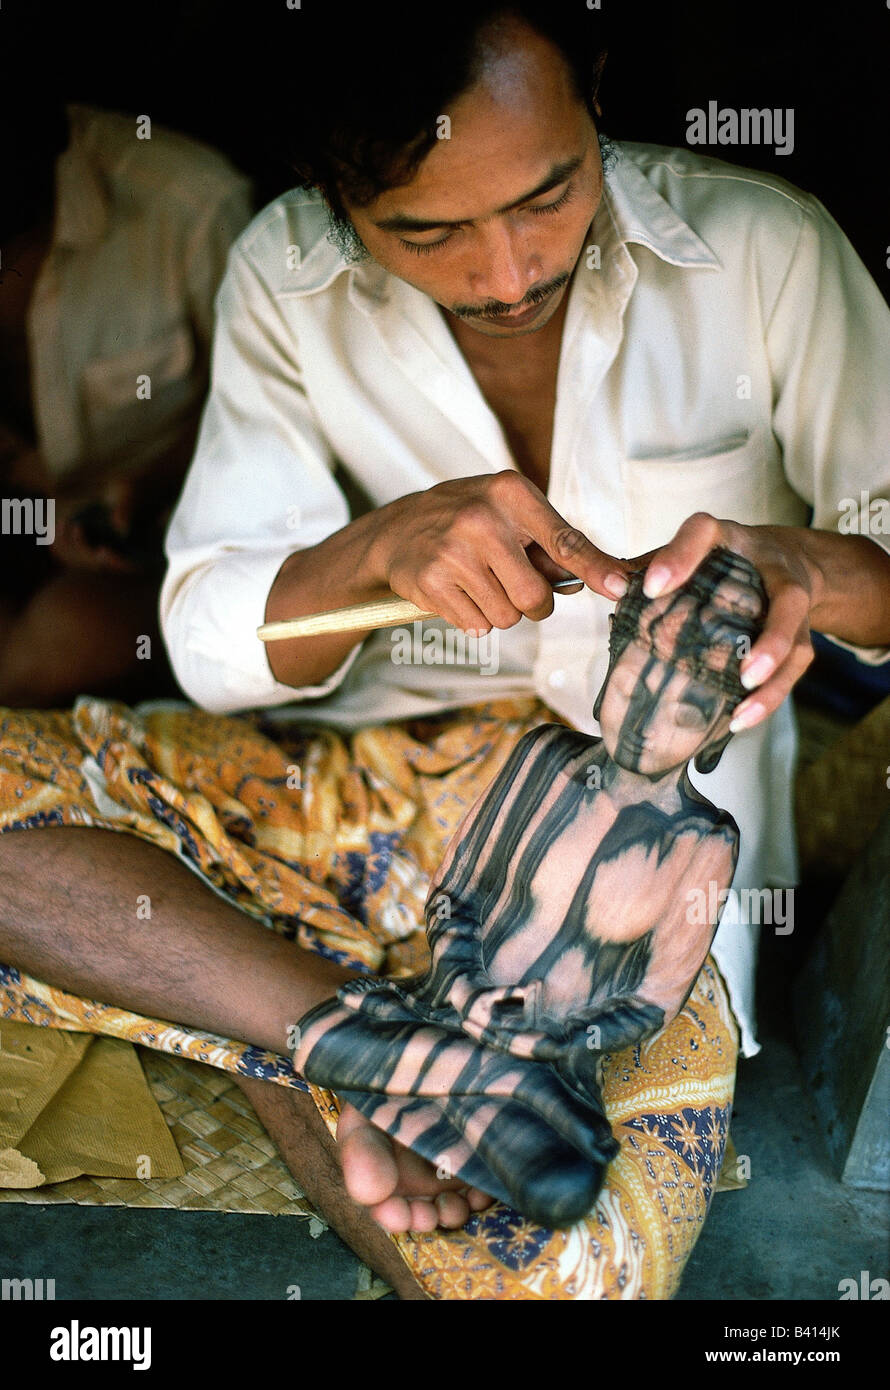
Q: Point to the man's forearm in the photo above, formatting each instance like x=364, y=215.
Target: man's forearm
x=853, y=600
x=339, y=571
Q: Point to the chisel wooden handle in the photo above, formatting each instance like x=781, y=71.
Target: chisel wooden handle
x=379, y=612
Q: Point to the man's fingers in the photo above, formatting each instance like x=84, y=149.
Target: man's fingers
x=786, y=621
x=567, y=547
x=504, y=609
x=526, y=589
x=570, y=548
x=499, y=558
x=766, y=699
x=603, y=573
x=541, y=561
x=673, y=563
x=478, y=596
x=454, y=606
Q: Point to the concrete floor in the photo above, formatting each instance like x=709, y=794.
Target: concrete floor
x=793, y=1233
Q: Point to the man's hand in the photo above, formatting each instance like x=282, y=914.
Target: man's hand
x=483, y=551
x=72, y=548
x=794, y=583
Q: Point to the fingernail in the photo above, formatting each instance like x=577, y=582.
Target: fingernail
x=655, y=581
x=749, y=715
x=757, y=672
x=616, y=585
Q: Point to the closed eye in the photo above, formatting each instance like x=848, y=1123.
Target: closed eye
x=560, y=202
x=690, y=717
x=423, y=248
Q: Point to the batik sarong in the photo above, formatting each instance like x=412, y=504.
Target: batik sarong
x=332, y=839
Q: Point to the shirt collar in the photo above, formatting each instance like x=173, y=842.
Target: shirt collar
x=81, y=197
x=641, y=214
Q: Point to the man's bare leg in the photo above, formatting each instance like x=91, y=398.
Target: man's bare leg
x=93, y=618
x=292, y=1121
x=200, y=961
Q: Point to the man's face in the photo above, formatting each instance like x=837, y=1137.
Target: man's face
x=496, y=217
x=655, y=718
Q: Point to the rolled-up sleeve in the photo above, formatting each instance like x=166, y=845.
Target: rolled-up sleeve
x=260, y=486
x=828, y=340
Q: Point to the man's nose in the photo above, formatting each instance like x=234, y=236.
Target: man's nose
x=505, y=266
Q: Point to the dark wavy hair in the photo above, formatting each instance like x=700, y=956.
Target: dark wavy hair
x=365, y=91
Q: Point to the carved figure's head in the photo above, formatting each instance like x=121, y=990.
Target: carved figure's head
x=673, y=678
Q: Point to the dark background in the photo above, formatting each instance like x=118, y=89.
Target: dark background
x=200, y=65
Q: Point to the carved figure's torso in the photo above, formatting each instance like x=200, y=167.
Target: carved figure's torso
x=560, y=884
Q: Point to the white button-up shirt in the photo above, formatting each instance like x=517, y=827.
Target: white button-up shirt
x=725, y=350
x=125, y=293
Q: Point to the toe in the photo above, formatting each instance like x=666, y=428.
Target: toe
x=350, y=1119
x=452, y=1209
x=424, y=1215
x=394, y=1215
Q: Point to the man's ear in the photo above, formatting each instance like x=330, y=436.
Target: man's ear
x=707, y=758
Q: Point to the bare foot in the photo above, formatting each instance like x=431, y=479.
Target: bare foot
x=400, y=1189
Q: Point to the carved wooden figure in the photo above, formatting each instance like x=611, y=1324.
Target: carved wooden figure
x=560, y=922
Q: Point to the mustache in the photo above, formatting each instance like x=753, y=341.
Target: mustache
x=494, y=309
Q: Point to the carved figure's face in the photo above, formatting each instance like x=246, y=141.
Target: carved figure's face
x=654, y=717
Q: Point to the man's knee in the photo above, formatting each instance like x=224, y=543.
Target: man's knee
x=77, y=629
x=31, y=673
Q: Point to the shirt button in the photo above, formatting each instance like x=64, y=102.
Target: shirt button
x=557, y=678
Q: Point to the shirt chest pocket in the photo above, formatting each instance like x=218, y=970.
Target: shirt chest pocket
x=726, y=477
x=136, y=397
